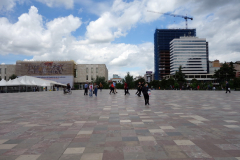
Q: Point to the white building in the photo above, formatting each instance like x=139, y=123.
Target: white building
x=149, y=76
x=116, y=79
x=191, y=53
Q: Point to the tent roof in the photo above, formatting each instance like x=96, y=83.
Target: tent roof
x=29, y=81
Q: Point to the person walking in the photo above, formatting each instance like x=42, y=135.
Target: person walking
x=111, y=88
x=115, y=89
x=95, y=89
x=138, y=89
x=85, y=89
x=100, y=86
x=126, y=88
x=227, y=87
x=145, y=94
x=90, y=90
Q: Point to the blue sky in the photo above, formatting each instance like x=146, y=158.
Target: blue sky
x=117, y=33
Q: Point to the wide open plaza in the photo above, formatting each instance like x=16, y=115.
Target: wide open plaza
x=176, y=125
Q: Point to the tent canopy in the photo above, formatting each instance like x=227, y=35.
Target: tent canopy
x=29, y=81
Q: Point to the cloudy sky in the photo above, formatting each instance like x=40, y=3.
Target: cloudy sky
x=118, y=33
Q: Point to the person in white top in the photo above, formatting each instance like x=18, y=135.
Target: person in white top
x=90, y=90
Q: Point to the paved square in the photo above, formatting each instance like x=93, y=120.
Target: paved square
x=187, y=125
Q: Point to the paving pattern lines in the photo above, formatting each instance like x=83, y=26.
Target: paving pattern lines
x=189, y=125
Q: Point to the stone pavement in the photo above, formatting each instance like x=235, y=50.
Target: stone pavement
x=177, y=125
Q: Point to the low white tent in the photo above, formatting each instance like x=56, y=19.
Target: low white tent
x=3, y=83
x=29, y=81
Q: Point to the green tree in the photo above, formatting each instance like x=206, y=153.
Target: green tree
x=155, y=84
x=139, y=80
x=194, y=83
x=236, y=83
x=119, y=86
x=13, y=76
x=129, y=79
x=102, y=80
x=164, y=84
x=180, y=77
x=170, y=81
x=226, y=72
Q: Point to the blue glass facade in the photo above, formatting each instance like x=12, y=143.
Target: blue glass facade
x=162, y=38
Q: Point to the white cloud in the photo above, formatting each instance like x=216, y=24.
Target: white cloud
x=8, y=5
x=122, y=16
x=58, y=3
x=54, y=40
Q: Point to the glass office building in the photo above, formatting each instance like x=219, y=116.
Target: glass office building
x=191, y=53
x=162, y=39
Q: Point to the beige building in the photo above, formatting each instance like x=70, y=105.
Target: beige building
x=6, y=70
x=59, y=71
x=85, y=73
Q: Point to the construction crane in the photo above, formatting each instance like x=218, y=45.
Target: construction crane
x=175, y=15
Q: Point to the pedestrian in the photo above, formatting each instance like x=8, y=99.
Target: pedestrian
x=115, y=89
x=145, y=94
x=126, y=88
x=227, y=87
x=85, y=89
x=90, y=90
x=95, y=89
x=198, y=87
x=100, y=86
x=139, y=87
x=111, y=89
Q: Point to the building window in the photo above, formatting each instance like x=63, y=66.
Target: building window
x=75, y=73
x=86, y=77
x=91, y=70
x=5, y=78
x=5, y=70
x=92, y=77
x=86, y=70
x=96, y=70
x=0, y=70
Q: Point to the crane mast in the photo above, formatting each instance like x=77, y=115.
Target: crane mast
x=175, y=15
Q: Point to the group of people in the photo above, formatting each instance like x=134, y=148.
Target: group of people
x=90, y=89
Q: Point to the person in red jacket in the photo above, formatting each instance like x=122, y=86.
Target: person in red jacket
x=112, y=88
x=126, y=88
x=198, y=87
